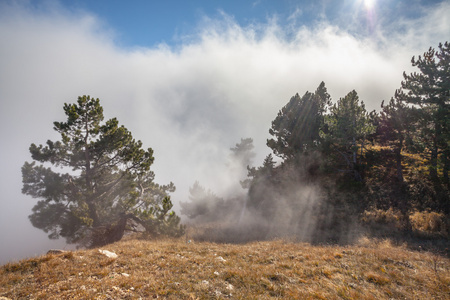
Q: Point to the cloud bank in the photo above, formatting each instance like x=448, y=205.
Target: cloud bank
x=190, y=102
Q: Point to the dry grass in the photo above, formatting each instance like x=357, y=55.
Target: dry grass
x=424, y=224
x=175, y=269
x=430, y=222
x=378, y=219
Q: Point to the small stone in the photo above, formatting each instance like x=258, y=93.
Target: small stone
x=108, y=253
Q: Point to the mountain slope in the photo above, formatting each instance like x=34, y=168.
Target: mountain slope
x=179, y=269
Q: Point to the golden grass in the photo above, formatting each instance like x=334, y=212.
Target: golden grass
x=423, y=223
x=174, y=269
x=429, y=221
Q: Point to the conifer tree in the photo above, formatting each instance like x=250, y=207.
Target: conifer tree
x=107, y=181
x=297, y=127
x=348, y=126
x=263, y=185
x=394, y=129
x=429, y=92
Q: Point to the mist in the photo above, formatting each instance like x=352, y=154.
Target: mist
x=288, y=200
x=190, y=102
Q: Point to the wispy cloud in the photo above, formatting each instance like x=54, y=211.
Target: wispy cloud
x=256, y=3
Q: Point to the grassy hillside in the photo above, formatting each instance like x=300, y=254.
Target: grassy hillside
x=175, y=269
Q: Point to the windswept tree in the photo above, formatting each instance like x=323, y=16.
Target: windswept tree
x=429, y=92
x=95, y=180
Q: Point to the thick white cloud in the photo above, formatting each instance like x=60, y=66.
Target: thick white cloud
x=190, y=103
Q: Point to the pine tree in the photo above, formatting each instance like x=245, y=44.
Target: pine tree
x=297, y=127
x=394, y=129
x=108, y=181
x=429, y=92
x=348, y=126
x=263, y=185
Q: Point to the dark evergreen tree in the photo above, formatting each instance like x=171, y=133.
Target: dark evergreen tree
x=108, y=181
x=348, y=126
x=429, y=92
x=297, y=127
x=394, y=130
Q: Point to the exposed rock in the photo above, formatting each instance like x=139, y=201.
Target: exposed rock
x=108, y=253
x=220, y=258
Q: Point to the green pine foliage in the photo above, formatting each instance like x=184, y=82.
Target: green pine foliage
x=108, y=181
x=348, y=127
x=297, y=127
x=428, y=91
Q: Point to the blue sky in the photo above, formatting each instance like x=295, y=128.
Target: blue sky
x=149, y=23
x=189, y=78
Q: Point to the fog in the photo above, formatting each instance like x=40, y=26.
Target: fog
x=190, y=102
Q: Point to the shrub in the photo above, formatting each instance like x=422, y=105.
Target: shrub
x=430, y=222
x=383, y=219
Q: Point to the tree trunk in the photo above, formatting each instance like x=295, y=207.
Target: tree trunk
x=355, y=160
x=93, y=213
x=433, y=161
x=109, y=234
x=446, y=166
x=398, y=158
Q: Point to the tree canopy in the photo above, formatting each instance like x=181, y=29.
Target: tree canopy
x=348, y=126
x=428, y=91
x=297, y=127
x=95, y=181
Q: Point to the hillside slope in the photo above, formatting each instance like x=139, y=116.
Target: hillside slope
x=280, y=269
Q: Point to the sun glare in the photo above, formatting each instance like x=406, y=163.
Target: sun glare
x=369, y=3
